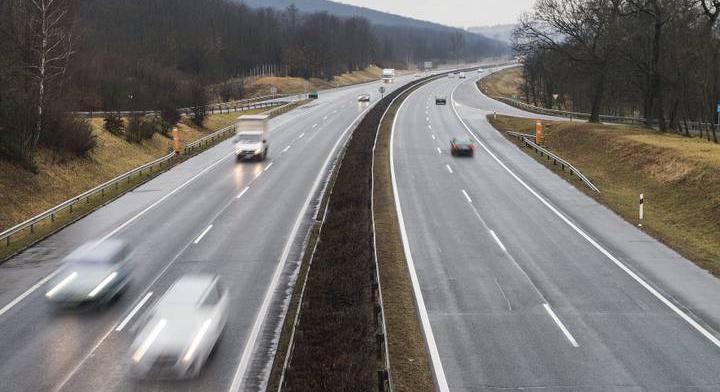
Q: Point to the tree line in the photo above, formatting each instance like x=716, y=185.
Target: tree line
x=658, y=59
x=66, y=55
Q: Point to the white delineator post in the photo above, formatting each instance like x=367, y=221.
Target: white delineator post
x=642, y=201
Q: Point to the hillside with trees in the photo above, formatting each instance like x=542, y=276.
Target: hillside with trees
x=65, y=55
x=658, y=59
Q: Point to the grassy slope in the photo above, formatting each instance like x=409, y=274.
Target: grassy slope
x=505, y=83
x=24, y=194
x=680, y=178
x=296, y=85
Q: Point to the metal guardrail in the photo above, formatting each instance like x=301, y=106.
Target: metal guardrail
x=160, y=163
x=225, y=107
x=526, y=139
x=694, y=127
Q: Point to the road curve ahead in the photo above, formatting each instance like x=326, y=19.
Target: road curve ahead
x=528, y=283
x=244, y=221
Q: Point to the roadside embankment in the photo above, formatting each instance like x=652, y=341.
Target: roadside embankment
x=679, y=177
x=506, y=83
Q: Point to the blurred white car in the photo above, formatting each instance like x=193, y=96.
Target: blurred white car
x=92, y=275
x=480, y=70
x=180, y=331
x=365, y=97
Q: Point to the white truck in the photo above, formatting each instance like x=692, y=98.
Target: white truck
x=251, y=137
x=388, y=74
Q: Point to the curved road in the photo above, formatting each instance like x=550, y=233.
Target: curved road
x=255, y=217
x=529, y=284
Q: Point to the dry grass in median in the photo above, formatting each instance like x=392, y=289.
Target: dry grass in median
x=409, y=365
x=679, y=176
x=505, y=83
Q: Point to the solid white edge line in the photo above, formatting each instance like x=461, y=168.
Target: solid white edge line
x=440, y=380
x=560, y=325
x=702, y=330
x=200, y=237
x=449, y=168
x=242, y=192
x=268, y=166
x=239, y=377
x=133, y=312
x=40, y=283
x=495, y=237
x=467, y=197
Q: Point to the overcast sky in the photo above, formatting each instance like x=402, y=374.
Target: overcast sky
x=458, y=13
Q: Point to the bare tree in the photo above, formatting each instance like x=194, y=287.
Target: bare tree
x=50, y=48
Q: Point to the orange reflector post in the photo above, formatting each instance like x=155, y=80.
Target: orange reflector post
x=538, y=132
x=176, y=140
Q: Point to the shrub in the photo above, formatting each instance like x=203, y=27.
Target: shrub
x=114, y=124
x=63, y=132
x=139, y=129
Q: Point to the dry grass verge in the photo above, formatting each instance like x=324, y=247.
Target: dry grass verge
x=505, y=83
x=679, y=176
x=294, y=85
x=409, y=365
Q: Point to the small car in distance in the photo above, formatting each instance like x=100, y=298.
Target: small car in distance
x=440, y=100
x=480, y=70
x=181, y=330
x=462, y=147
x=313, y=94
x=462, y=75
x=92, y=275
x=364, y=97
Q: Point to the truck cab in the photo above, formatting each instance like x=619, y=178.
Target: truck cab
x=388, y=75
x=251, y=137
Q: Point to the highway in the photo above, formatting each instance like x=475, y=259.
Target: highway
x=246, y=222
x=529, y=284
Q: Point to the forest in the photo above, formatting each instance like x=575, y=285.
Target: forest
x=61, y=56
x=654, y=59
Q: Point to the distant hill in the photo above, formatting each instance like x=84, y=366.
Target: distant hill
x=502, y=33
x=346, y=10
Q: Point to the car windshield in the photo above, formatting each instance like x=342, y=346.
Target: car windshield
x=248, y=138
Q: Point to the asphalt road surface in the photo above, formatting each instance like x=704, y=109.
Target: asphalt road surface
x=528, y=284
x=244, y=221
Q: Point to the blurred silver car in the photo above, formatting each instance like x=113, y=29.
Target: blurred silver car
x=94, y=274
x=364, y=97
x=180, y=331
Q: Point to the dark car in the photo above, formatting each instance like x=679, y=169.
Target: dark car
x=462, y=147
x=440, y=100
x=313, y=94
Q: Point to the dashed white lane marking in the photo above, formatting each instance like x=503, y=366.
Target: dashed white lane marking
x=467, y=197
x=325, y=118
x=560, y=325
x=497, y=239
x=268, y=166
x=301, y=135
x=427, y=119
x=314, y=125
x=449, y=169
x=433, y=137
x=438, y=150
x=200, y=237
x=285, y=149
x=429, y=126
x=134, y=311
x=242, y=192
x=258, y=174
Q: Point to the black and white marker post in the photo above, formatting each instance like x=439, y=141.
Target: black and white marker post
x=642, y=201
